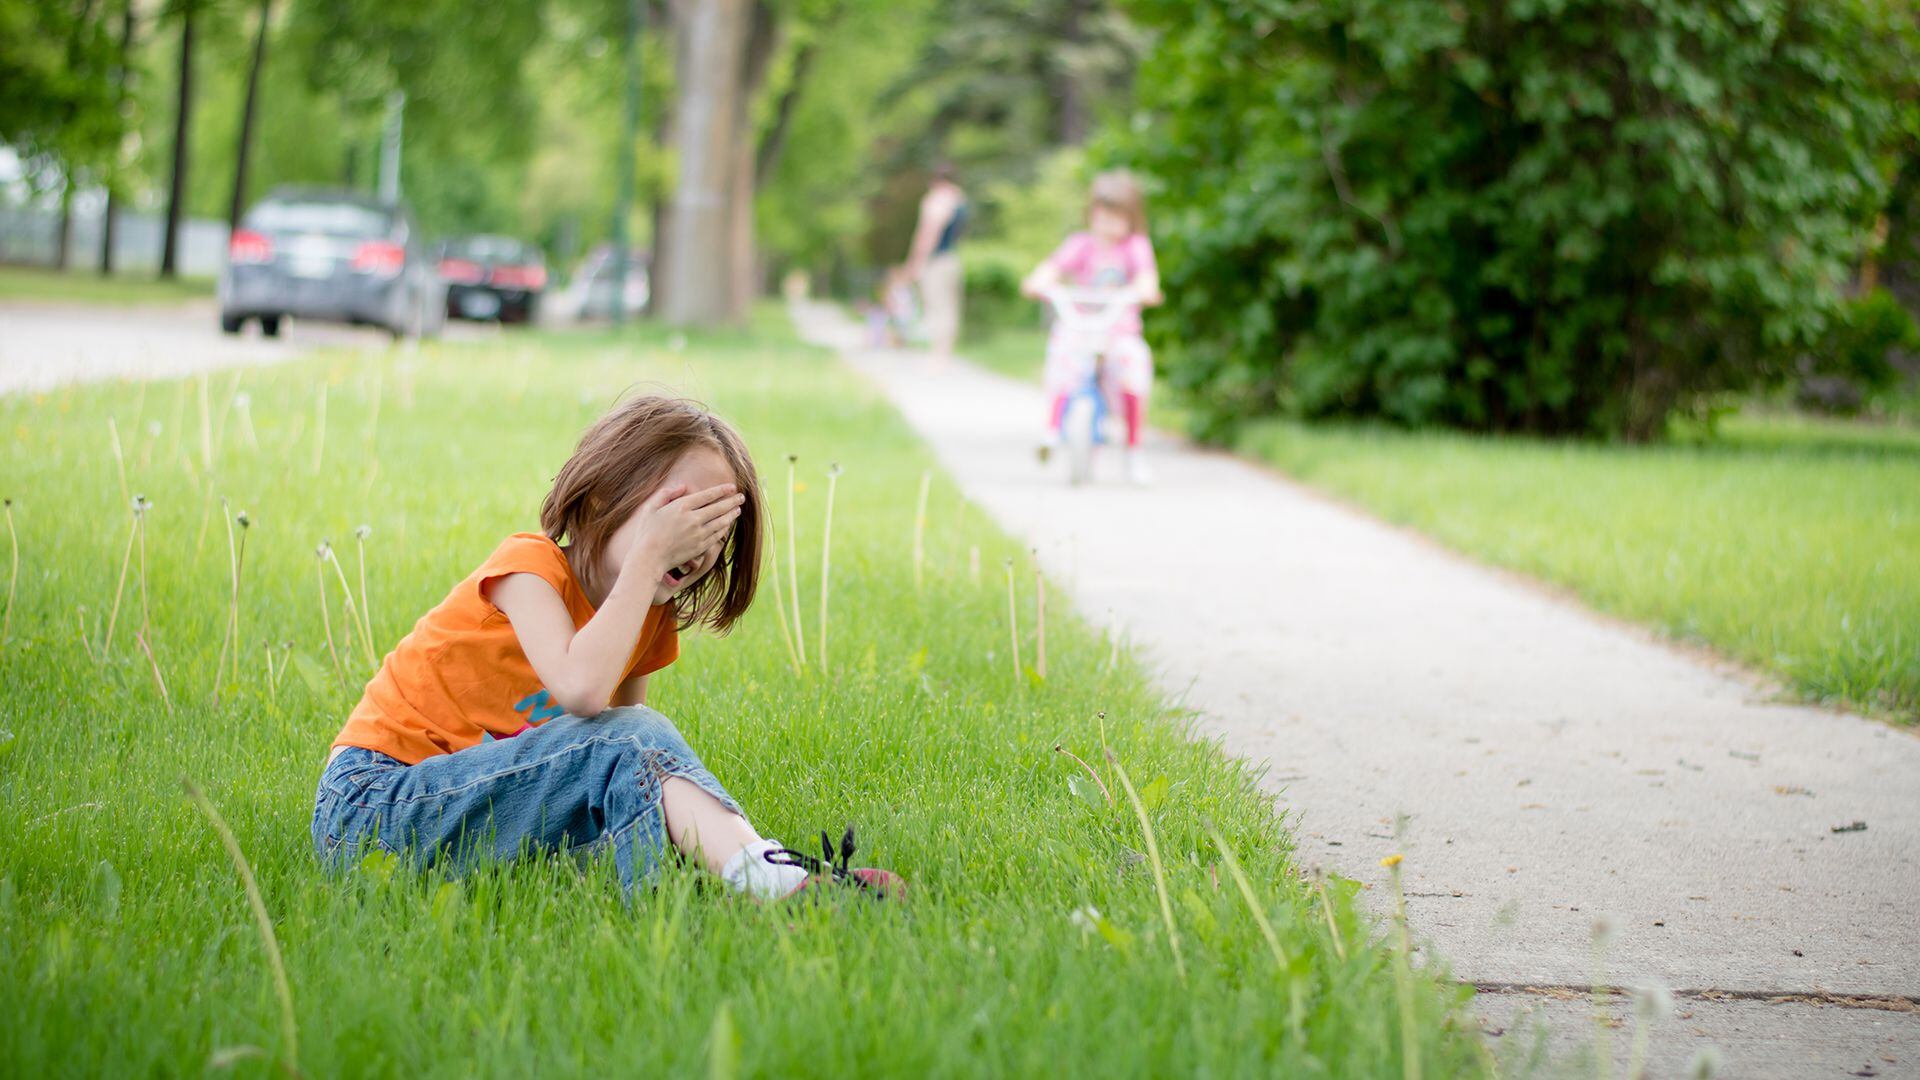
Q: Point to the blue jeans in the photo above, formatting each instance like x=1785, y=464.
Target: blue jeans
x=584, y=785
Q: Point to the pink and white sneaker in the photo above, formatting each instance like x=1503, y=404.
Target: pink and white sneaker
x=830, y=872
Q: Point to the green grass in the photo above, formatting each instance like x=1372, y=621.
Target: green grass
x=1787, y=543
x=84, y=286
x=126, y=946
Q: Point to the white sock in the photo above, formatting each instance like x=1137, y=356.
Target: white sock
x=749, y=872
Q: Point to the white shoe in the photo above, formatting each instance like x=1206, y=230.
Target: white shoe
x=1137, y=472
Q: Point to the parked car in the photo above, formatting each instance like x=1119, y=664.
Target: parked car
x=492, y=277
x=595, y=288
x=332, y=256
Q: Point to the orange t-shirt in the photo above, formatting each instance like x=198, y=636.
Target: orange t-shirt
x=461, y=677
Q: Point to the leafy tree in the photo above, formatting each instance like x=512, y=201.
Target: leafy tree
x=56, y=93
x=471, y=110
x=58, y=105
x=1562, y=216
x=821, y=134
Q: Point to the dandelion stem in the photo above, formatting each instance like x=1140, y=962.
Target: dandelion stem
x=206, y=516
x=289, y=1031
x=793, y=566
x=1040, y=623
x=119, y=460
x=780, y=609
x=80, y=616
x=220, y=425
x=233, y=600
x=126, y=560
x=366, y=618
x=1326, y=908
x=920, y=530
x=326, y=620
x=1102, y=784
x=320, y=430
x=1637, y=1050
x=140, y=636
x=13, y=576
x=354, y=622
x=273, y=686
x=206, y=426
x=1602, y=1018
x=179, y=417
x=1403, y=977
x=1246, y=893
x=373, y=412
x=826, y=561
x=239, y=567
x=1153, y=859
x=244, y=406
x=140, y=530
x=1013, y=624
x=140, y=406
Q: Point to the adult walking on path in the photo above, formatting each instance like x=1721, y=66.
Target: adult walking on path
x=1544, y=770
x=934, y=261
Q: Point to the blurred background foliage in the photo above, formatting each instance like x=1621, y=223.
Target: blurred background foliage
x=1533, y=215
x=1585, y=218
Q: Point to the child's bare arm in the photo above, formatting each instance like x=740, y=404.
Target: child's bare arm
x=579, y=668
x=1040, y=279
x=632, y=692
x=1146, y=284
x=582, y=669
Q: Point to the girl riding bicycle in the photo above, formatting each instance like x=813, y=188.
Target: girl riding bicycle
x=1113, y=253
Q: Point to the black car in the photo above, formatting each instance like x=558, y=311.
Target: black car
x=334, y=256
x=492, y=277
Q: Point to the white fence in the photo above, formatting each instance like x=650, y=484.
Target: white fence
x=30, y=235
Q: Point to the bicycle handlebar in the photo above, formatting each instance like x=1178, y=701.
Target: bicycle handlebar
x=1089, y=309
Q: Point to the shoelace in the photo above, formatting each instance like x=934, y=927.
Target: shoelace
x=836, y=868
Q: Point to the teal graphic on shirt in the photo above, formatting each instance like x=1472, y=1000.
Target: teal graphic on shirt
x=538, y=706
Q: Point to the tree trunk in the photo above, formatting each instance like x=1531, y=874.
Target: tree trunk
x=629, y=130
x=663, y=19
x=247, y=110
x=123, y=77
x=1072, y=118
x=774, y=142
x=696, y=274
x=763, y=42
x=63, y=243
x=183, y=114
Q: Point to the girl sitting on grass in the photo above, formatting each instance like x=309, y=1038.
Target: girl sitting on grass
x=1112, y=252
x=514, y=715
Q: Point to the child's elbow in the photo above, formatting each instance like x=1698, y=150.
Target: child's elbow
x=581, y=701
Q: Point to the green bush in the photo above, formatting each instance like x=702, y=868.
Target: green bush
x=1537, y=215
x=1855, y=358
x=993, y=292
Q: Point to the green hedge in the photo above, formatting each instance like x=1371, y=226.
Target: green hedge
x=1538, y=215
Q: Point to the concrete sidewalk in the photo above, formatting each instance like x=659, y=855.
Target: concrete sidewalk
x=1555, y=769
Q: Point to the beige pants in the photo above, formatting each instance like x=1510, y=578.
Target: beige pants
x=941, y=288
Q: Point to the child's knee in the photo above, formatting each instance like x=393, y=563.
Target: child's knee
x=646, y=728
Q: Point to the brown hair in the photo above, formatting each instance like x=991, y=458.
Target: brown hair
x=624, y=458
x=1119, y=192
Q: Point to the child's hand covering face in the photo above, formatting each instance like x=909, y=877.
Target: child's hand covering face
x=677, y=535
